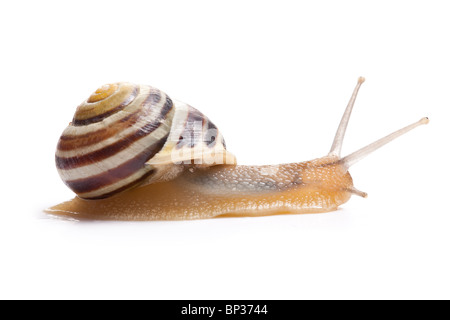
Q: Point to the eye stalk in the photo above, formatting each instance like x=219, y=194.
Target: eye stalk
x=340, y=133
x=354, y=157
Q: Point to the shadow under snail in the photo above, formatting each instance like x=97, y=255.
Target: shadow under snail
x=132, y=153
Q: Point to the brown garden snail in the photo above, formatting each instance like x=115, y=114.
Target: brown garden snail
x=132, y=153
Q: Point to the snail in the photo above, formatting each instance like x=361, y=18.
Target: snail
x=133, y=153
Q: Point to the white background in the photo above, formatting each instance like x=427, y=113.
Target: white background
x=275, y=77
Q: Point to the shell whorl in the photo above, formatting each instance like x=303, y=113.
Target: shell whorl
x=124, y=135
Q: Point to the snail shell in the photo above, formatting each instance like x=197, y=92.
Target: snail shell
x=125, y=135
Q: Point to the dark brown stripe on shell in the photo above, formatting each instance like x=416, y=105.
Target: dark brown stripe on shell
x=114, y=175
x=154, y=98
x=167, y=106
x=189, y=137
x=67, y=142
x=126, y=187
x=211, y=134
x=101, y=117
x=118, y=146
x=223, y=143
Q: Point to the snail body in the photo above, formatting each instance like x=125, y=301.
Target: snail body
x=155, y=159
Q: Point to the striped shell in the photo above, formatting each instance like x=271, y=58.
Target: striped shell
x=125, y=135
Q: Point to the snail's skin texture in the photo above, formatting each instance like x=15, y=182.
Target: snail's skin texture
x=319, y=185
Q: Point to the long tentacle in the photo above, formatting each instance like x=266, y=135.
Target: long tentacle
x=354, y=157
x=340, y=133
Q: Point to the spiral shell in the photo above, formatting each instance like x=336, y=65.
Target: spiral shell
x=125, y=135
